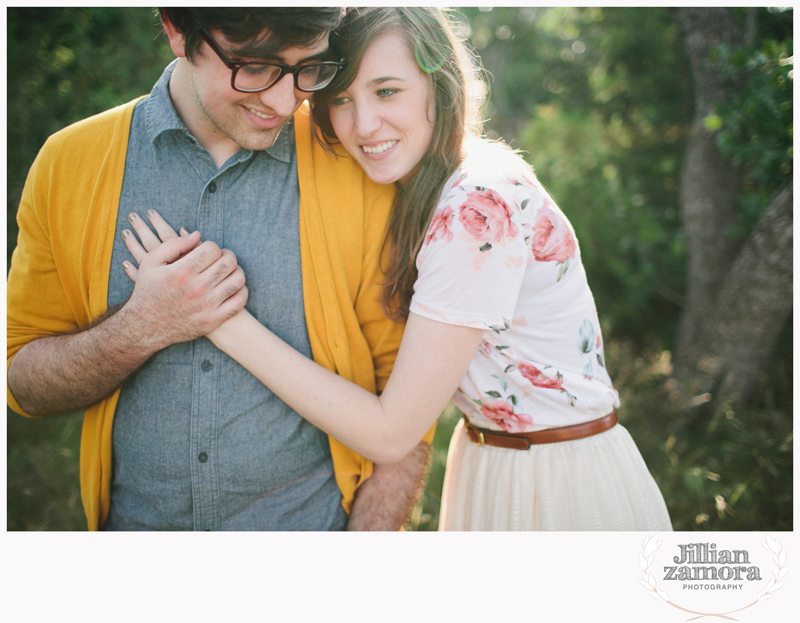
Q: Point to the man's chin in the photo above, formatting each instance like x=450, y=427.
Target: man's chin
x=259, y=141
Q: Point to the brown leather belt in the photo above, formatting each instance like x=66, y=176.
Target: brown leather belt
x=523, y=441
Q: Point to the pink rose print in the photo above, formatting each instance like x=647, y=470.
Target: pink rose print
x=440, y=226
x=538, y=378
x=552, y=240
x=487, y=217
x=502, y=414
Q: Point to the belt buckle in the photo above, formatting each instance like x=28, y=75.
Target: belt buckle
x=481, y=441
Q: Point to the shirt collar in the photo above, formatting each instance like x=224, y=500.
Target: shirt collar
x=161, y=116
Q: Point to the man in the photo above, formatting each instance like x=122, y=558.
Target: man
x=198, y=443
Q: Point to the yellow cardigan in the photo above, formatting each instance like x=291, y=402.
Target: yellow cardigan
x=60, y=268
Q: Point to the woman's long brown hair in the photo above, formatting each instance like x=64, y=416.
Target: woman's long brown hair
x=450, y=70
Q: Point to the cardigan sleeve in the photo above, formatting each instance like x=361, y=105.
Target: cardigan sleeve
x=38, y=305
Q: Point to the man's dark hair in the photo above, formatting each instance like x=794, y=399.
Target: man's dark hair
x=262, y=32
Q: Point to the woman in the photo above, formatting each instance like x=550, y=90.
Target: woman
x=487, y=270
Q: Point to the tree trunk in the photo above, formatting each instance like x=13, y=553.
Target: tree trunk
x=709, y=188
x=738, y=300
x=753, y=305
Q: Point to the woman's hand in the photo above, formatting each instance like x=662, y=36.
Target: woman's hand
x=149, y=241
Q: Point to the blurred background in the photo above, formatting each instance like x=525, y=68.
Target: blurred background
x=665, y=135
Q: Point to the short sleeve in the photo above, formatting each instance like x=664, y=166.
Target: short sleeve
x=473, y=259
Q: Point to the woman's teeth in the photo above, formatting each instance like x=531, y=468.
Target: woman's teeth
x=378, y=149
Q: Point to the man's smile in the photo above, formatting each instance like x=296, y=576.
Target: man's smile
x=260, y=114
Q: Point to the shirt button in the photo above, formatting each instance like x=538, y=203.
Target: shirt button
x=212, y=187
x=202, y=457
x=206, y=365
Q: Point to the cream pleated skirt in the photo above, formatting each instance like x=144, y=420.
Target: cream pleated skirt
x=596, y=483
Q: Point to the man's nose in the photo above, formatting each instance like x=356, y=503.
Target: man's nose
x=281, y=97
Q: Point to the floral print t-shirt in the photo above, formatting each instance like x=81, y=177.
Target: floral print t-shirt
x=501, y=256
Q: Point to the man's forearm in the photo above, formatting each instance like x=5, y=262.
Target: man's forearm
x=386, y=499
x=73, y=371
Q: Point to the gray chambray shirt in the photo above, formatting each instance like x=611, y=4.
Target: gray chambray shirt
x=198, y=442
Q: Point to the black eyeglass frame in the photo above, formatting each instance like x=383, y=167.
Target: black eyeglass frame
x=235, y=66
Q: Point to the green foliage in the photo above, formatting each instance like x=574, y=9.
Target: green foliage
x=756, y=128
x=731, y=470
x=43, y=473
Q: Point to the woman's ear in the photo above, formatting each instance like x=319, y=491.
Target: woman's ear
x=176, y=39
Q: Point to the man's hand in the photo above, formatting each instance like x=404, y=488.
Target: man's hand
x=386, y=499
x=184, y=290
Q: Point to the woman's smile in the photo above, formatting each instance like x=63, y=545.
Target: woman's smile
x=380, y=148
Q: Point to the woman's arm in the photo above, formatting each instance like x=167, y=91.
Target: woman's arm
x=432, y=360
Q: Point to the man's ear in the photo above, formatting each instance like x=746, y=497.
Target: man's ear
x=176, y=39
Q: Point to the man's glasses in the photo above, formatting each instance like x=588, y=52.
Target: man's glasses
x=255, y=76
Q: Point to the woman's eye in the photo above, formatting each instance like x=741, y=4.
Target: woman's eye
x=386, y=92
x=339, y=101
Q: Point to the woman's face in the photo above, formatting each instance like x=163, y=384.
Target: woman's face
x=385, y=117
